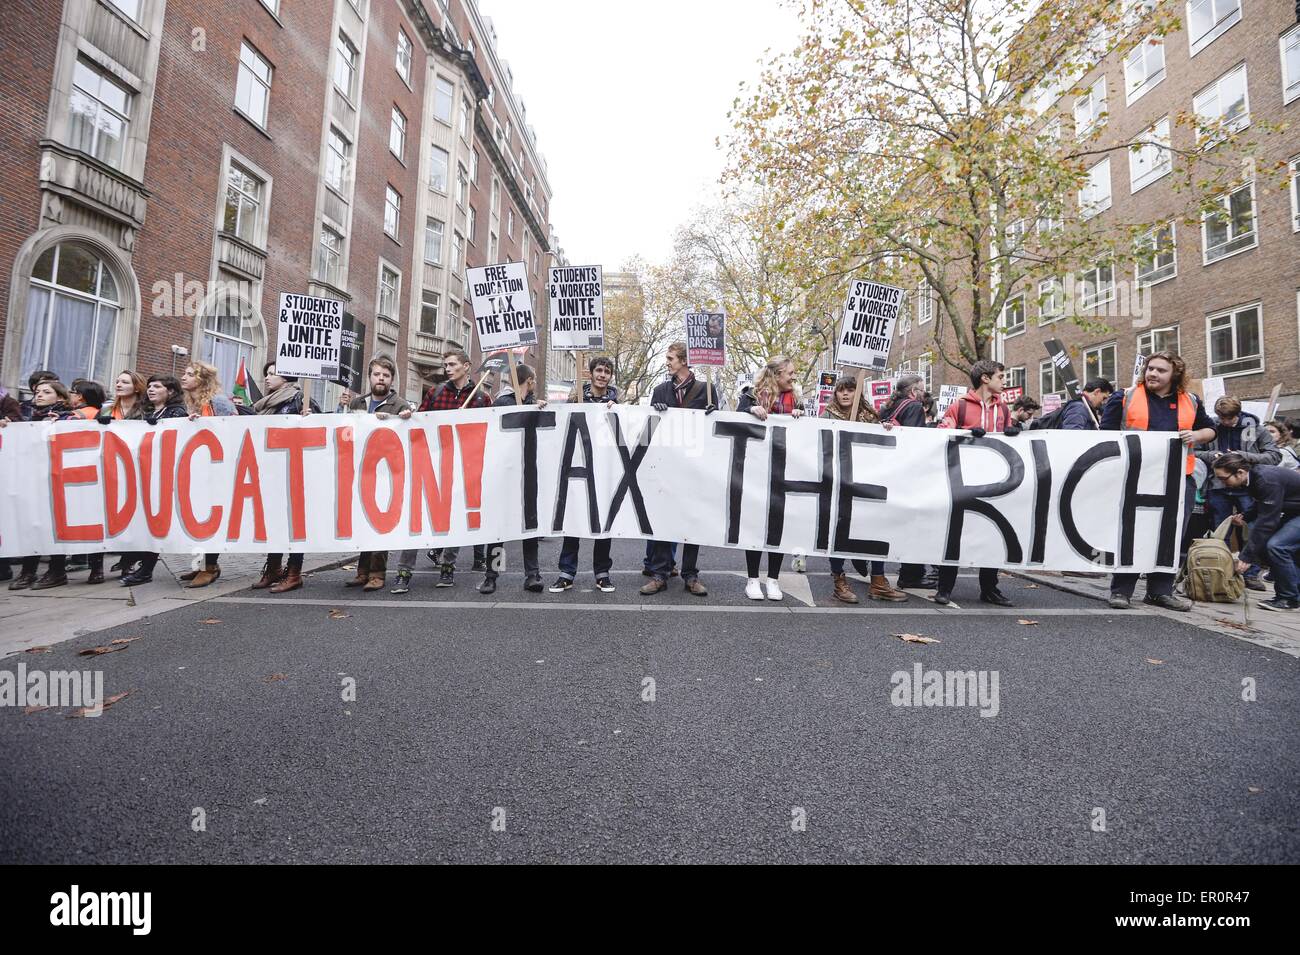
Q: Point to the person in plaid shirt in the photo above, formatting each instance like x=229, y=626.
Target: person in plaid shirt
x=448, y=396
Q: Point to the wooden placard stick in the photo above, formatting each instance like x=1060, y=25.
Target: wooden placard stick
x=857, y=394
x=477, y=385
x=708, y=385
x=1272, y=401
x=514, y=376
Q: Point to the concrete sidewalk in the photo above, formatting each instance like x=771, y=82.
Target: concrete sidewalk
x=44, y=617
x=1243, y=619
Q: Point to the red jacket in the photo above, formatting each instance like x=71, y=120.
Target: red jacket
x=969, y=412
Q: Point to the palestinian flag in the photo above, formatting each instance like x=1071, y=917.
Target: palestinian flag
x=245, y=389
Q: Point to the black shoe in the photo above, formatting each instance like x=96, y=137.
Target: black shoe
x=909, y=583
x=1280, y=603
x=561, y=585
x=480, y=565
x=1119, y=601
x=604, y=585
x=942, y=598
x=23, y=581
x=1168, y=602
x=433, y=555
x=995, y=597
x=49, y=581
x=448, y=576
x=403, y=583
x=1254, y=583
x=533, y=585
x=929, y=582
x=489, y=586
x=135, y=579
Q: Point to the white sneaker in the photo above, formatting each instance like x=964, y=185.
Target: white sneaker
x=774, y=590
x=752, y=589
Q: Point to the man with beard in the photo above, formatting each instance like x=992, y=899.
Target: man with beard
x=381, y=401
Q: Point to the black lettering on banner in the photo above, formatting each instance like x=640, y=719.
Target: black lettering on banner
x=630, y=464
x=1082, y=464
x=529, y=422
x=851, y=490
x=971, y=497
x=577, y=428
x=779, y=486
x=740, y=433
x=1042, y=500
x=1168, y=502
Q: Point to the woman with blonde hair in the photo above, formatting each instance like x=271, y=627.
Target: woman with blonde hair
x=201, y=386
x=772, y=394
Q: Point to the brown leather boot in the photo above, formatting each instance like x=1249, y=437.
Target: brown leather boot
x=842, y=589
x=881, y=590
x=375, y=582
x=208, y=575
x=290, y=580
x=270, y=574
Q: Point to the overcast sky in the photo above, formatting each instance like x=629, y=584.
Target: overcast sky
x=627, y=100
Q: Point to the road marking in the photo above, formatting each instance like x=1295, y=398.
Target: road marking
x=566, y=606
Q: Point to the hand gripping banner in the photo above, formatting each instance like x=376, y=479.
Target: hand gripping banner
x=1054, y=500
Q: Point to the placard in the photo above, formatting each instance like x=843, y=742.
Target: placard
x=880, y=392
x=947, y=395
x=870, y=319
x=577, y=307
x=309, y=337
x=706, y=338
x=352, y=359
x=1061, y=359
x=1011, y=395
x=825, y=389
x=503, y=309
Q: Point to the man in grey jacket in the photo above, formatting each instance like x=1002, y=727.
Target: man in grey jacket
x=381, y=401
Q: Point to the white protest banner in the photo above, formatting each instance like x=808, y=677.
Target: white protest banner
x=309, y=340
x=1062, y=500
x=870, y=318
x=706, y=338
x=576, y=294
x=503, y=309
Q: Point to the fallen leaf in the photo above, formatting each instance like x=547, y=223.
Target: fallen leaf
x=1236, y=626
x=337, y=614
x=37, y=650
x=260, y=802
x=1155, y=661
x=915, y=638
x=1031, y=586
x=210, y=620
x=1254, y=789
x=96, y=651
x=84, y=710
x=275, y=678
x=124, y=640
x=1027, y=623
x=29, y=710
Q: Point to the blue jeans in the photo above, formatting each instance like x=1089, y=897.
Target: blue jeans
x=600, y=559
x=1283, y=549
x=649, y=561
x=1221, y=502
x=665, y=552
x=877, y=567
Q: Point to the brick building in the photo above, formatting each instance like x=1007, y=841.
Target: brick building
x=170, y=167
x=1224, y=293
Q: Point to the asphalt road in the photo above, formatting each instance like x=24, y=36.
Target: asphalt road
x=528, y=711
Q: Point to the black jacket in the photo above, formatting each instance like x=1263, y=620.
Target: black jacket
x=507, y=399
x=1276, y=491
x=696, y=396
x=178, y=410
x=611, y=394
x=911, y=413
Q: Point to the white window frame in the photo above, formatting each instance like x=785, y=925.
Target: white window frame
x=1222, y=22
x=1295, y=194
x=924, y=304
x=1226, y=202
x=1146, y=342
x=405, y=56
x=1143, y=54
x=121, y=7
x=383, y=291
x=346, y=59
x=1290, y=84
x=337, y=165
x=1056, y=377
x=1055, y=290
x=392, y=211
x=1012, y=379
x=462, y=186
x=439, y=82
x=1098, y=349
x=1095, y=102
x=1157, y=159
x=102, y=79
x=259, y=203
x=436, y=227
x=1010, y=331
x=458, y=253
x=1213, y=89
x=446, y=170
x=330, y=266
x=397, y=129
x=1095, y=273
x=465, y=110
x=435, y=306
x=471, y=223
x=1159, y=274
x=1088, y=207
x=1234, y=312
x=246, y=75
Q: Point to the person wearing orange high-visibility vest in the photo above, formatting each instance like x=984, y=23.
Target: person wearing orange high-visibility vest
x=1160, y=403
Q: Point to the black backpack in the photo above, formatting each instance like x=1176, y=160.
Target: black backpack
x=1052, y=420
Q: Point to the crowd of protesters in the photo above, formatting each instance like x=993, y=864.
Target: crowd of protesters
x=1239, y=470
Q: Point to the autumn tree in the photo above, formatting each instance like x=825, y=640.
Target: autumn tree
x=918, y=142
